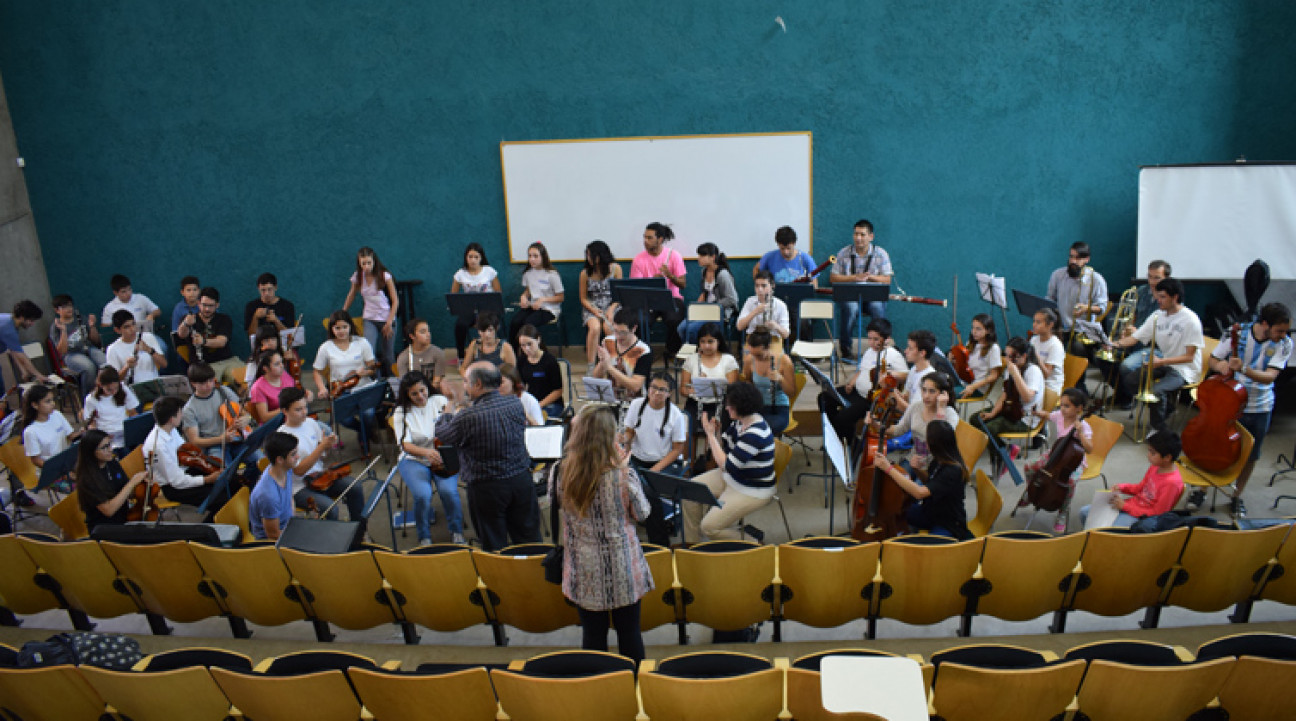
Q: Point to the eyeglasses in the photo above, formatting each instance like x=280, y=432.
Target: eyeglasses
x=658, y=389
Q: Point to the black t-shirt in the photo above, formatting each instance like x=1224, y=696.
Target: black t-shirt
x=283, y=309
x=220, y=325
x=944, y=507
x=543, y=378
x=93, y=491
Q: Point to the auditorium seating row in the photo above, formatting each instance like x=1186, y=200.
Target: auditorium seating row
x=1234, y=677
x=723, y=585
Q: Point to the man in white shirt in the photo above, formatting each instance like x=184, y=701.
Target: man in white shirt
x=161, y=454
x=1177, y=357
x=858, y=389
x=313, y=440
x=137, y=355
x=764, y=309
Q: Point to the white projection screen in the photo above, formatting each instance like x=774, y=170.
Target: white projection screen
x=1212, y=221
x=731, y=190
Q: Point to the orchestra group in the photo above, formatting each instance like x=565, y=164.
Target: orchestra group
x=903, y=389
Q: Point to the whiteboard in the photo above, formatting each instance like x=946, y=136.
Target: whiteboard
x=731, y=190
x=1212, y=221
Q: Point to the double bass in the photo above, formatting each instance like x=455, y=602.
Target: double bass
x=878, y=511
x=1211, y=439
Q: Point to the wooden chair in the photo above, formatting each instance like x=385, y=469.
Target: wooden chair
x=70, y=518
x=793, y=424
x=926, y=583
x=19, y=592
x=252, y=583
x=566, y=685
x=167, y=578
x=711, y=685
x=1197, y=477
x=438, y=590
x=1026, y=578
x=992, y=655
x=1050, y=401
x=972, y=443
x=564, y=371
x=188, y=693
x=464, y=694
x=989, y=503
x=828, y=582
x=782, y=457
x=20, y=467
x=1219, y=568
x=963, y=405
x=357, y=330
x=726, y=585
x=1253, y=690
x=83, y=578
x=345, y=589
x=52, y=693
x=519, y=595
x=1151, y=693
x=1131, y=651
x=658, y=607
x=1073, y=369
x=1123, y=572
x=1105, y=435
x=805, y=692
x=235, y=512
x=968, y=693
x=1282, y=588
x=1277, y=646
x=272, y=692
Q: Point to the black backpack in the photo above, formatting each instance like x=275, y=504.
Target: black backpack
x=116, y=652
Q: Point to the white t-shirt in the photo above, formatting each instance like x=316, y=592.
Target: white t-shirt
x=650, y=444
x=145, y=370
x=981, y=365
x=139, y=305
x=1034, y=378
x=419, y=425
x=531, y=406
x=776, y=316
x=913, y=384
x=341, y=363
x=309, y=435
x=475, y=283
x=895, y=362
x=111, y=416
x=1174, y=333
x=1052, y=353
x=46, y=439
x=544, y=284
x=693, y=365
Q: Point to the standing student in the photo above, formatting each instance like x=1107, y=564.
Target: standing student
x=597, y=306
x=110, y=404
x=270, y=507
x=658, y=261
x=489, y=346
x=774, y=378
x=136, y=354
x=421, y=464
x=76, y=341
x=420, y=355
x=378, y=289
x=1048, y=348
x=717, y=287
x=476, y=276
x=103, y=488
x=985, y=360
x=208, y=335
x=941, y=509
x=188, y=303
x=542, y=292
x=540, y=371
x=268, y=307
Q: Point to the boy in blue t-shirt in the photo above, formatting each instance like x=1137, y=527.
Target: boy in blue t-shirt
x=786, y=265
x=270, y=507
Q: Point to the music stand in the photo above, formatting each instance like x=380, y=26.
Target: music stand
x=825, y=384
x=468, y=305
x=136, y=429
x=792, y=294
x=355, y=403
x=598, y=390
x=678, y=490
x=645, y=296
x=248, y=446
x=1028, y=305
x=991, y=289
x=707, y=392
x=545, y=443
x=863, y=294
x=58, y=467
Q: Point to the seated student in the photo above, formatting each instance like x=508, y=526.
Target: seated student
x=203, y=424
x=712, y=360
x=919, y=353
x=937, y=389
x=45, y=433
x=25, y=314
x=539, y=370
x=744, y=479
x=346, y=359
x=1048, y=348
x=108, y=406
x=272, y=379
x=136, y=354
x=265, y=342
x=488, y=346
x=188, y=303
x=858, y=390
x=786, y=265
x=1027, y=384
x=717, y=287
x=1071, y=406
x=657, y=433
x=103, y=488
x=270, y=507
x=268, y=307
x=941, y=511
x=476, y=276
x=1157, y=492
x=143, y=310
x=774, y=377
x=542, y=292
x=623, y=358
x=765, y=311
x=208, y=335
x=985, y=359
x=421, y=464
x=162, y=455
x=77, y=342
x=314, y=439
x=512, y=385
x=420, y=355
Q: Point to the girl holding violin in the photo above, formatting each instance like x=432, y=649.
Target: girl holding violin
x=773, y=375
x=103, y=488
x=489, y=346
x=984, y=358
x=476, y=276
x=376, y=286
x=349, y=362
x=1069, y=412
x=937, y=388
x=940, y=510
x=420, y=462
x=623, y=358
x=1023, y=392
x=272, y=378
x=110, y=404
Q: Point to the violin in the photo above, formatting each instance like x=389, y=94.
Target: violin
x=1012, y=408
x=1048, y=486
x=878, y=511
x=808, y=277
x=293, y=361
x=323, y=480
x=1211, y=439
x=191, y=456
x=958, y=353
x=143, y=499
x=337, y=388
x=625, y=362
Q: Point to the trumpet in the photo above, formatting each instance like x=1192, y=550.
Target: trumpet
x=1122, y=319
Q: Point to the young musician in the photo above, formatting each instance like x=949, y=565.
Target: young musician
x=268, y=307
x=712, y=360
x=488, y=346
x=1177, y=363
x=45, y=432
x=266, y=341
x=415, y=424
x=109, y=405
x=1071, y=405
x=1048, y=348
x=345, y=358
x=272, y=379
x=858, y=391
x=657, y=434
x=1027, y=379
x=161, y=455
x=542, y=292
x=137, y=355
x=77, y=342
x=918, y=352
x=540, y=372
x=658, y=261
x=937, y=389
x=773, y=376
x=142, y=309
x=203, y=424
x=860, y=262
x=103, y=488
x=511, y=384
x=786, y=265
x=314, y=439
x=941, y=509
x=188, y=303
x=717, y=287
x=1157, y=492
x=744, y=479
x=597, y=307
x=420, y=355
x=270, y=507
x=623, y=358
x=764, y=311
x=1264, y=347
x=985, y=359
x=25, y=314
x=378, y=290
x=476, y=276
x=208, y=335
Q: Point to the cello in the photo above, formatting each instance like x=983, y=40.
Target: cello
x=958, y=353
x=1048, y=486
x=878, y=511
x=1211, y=439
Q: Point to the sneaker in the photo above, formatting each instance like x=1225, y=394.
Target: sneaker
x=1195, y=500
x=424, y=542
x=458, y=538
x=1060, y=526
x=1238, y=508
x=24, y=500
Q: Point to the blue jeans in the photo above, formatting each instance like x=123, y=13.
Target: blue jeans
x=86, y=365
x=419, y=478
x=777, y=417
x=384, y=348
x=848, y=317
x=553, y=410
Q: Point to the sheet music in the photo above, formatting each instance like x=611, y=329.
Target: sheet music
x=1101, y=513
x=709, y=389
x=544, y=442
x=1093, y=331
x=836, y=453
x=598, y=389
x=992, y=289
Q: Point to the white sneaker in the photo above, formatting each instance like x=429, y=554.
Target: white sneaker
x=458, y=538
x=424, y=542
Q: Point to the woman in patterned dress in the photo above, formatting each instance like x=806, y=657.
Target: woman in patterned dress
x=605, y=573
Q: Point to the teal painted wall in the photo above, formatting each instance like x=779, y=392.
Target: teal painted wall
x=228, y=138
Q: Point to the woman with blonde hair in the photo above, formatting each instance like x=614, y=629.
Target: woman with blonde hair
x=605, y=573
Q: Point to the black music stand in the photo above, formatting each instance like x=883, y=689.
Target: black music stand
x=1028, y=305
x=678, y=490
x=638, y=295
x=468, y=305
x=58, y=467
x=355, y=403
x=792, y=294
x=136, y=429
x=248, y=446
x=863, y=294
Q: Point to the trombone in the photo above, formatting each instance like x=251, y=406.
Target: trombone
x=1145, y=396
x=1088, y=273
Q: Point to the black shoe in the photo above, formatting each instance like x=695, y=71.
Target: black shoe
x=1195, y=500
x=846, y=354
x=24, y=500
x=757, y=534
x=1238, y=508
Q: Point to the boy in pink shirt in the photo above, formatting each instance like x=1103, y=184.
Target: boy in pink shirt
x=1159, y=489
x=658, y=261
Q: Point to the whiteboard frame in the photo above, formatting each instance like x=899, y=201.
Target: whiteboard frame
x=809, y=136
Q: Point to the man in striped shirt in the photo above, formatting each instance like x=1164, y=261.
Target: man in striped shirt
x=744, y=480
